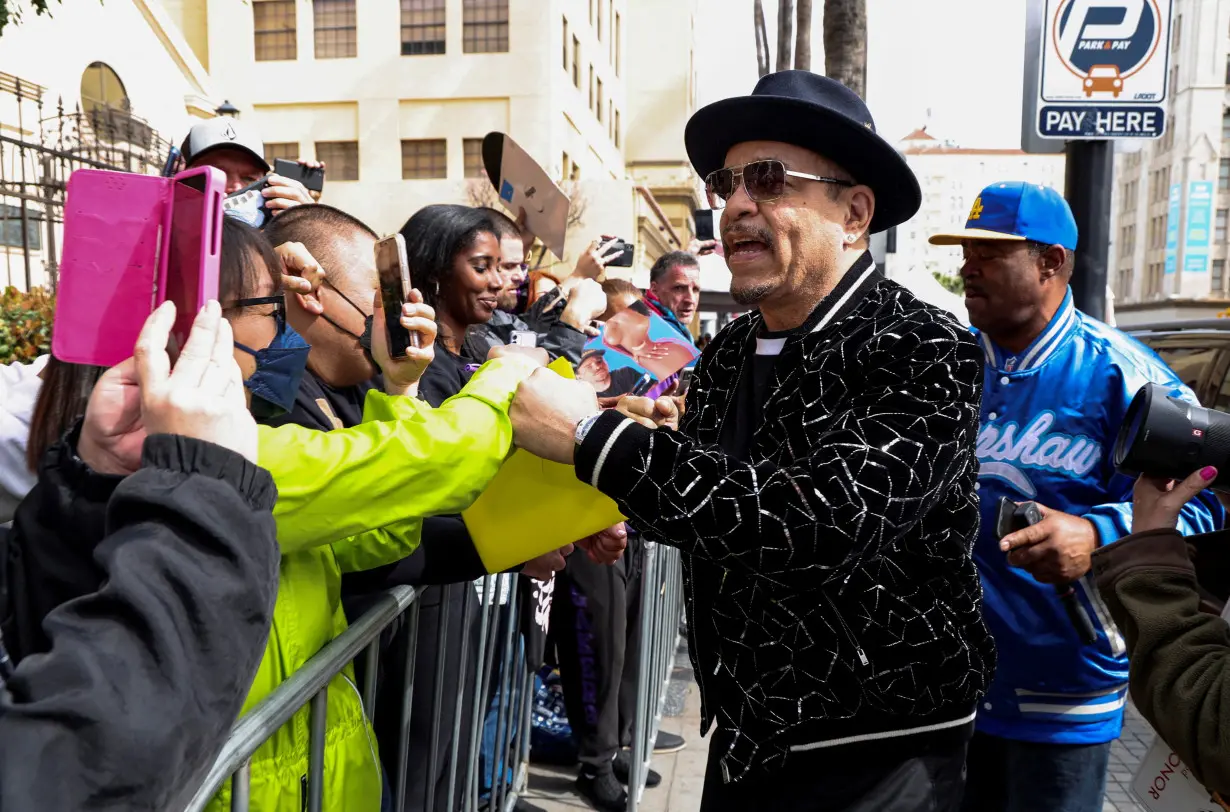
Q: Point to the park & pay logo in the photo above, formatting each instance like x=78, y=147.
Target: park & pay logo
x=1105, y=50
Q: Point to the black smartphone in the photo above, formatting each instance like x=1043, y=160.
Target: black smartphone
x=313, y=178
x=704, y=224
x=394, y=273
x=1011, y=517
x=626, y=255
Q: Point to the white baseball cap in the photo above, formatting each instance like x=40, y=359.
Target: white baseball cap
x=223, y=133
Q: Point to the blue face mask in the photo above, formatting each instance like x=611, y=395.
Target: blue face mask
x=279, y=369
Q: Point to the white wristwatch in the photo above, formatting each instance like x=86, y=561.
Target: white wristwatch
x=584, y=426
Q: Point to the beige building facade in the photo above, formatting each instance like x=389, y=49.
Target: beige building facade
x=951, y=178
x=1172, y=196
x=396, y=96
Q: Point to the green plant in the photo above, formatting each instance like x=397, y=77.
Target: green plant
x=25, y=324
x=10, y=12
x=951, y=282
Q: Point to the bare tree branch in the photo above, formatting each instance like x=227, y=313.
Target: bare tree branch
x=845, y=43
x=762, y=39
x=785, y=34
x=802, y=48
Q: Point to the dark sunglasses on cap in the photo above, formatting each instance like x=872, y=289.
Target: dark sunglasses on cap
x=764, y=181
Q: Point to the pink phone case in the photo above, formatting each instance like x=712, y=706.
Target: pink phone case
x=116, y=234
x=211, y=247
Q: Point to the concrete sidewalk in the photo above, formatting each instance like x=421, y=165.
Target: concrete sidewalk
x=683, y=773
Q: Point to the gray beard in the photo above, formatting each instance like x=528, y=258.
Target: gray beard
x=752, y=295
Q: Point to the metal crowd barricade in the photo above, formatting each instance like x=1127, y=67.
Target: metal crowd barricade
x=661, y=613
x=498, y=686
x=311, y=684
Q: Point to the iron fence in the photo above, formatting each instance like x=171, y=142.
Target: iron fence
x=40, y=147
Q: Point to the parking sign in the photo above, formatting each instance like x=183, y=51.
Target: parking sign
x=1104, y=66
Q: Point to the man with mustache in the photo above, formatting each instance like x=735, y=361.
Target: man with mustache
x=821, y=483
x=1056, y=387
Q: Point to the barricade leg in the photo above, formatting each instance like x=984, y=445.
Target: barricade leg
x=482, y=673
x=316, y=751
x=241, y=788
x=411, y=632
x=437, y=709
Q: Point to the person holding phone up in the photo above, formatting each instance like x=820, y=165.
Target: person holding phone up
x=236, y=148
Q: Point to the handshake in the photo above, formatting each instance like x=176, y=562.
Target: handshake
x=548, y=408
x=546, y=412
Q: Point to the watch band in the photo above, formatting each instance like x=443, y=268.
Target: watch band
x=584, y=426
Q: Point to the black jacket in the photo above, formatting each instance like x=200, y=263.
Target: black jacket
x=833, y=604
x=543, y=319
x=144, y=677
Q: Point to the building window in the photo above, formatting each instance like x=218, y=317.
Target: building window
x=1228, y=70
x=591, y=87
x=341, y=158
x=284, y=150
x=601, y=15
x=1219, y=227
x=1219, y=276
x=473, y=149
x=601, y=102
x=274, y=27
x=1178, y=29
x=1225, y=126
x=425, y=159
x=617, y=135
x=335, y=29
x=565, y=167
x=616, y=45
x=565, y=43
x=1174, y=80
x=576, y=62
x=10, y=228
x=485, y=27
x=1223, y=174
x=422, y=27
x=591, y=12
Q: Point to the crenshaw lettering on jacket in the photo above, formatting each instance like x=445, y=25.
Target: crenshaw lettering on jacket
x=1003, y=449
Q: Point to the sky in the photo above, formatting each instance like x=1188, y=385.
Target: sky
x=959, y=59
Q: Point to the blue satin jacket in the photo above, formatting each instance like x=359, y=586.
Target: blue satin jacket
x=1050, y=416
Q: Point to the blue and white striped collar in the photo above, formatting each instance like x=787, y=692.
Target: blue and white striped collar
x=1062, y=324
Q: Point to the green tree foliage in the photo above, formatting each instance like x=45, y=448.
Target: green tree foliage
x=951, y=282
x=10, y=12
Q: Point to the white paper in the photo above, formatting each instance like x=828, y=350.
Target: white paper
x=1163, y=783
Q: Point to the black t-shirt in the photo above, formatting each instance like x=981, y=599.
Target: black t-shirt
x=446, y=376
x=323, y=407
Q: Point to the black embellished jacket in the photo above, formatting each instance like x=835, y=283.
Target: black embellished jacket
x=833, y=607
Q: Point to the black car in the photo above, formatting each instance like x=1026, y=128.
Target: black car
x=1198, y=352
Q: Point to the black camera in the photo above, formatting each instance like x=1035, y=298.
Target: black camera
x=1164, y=436
x=627, y=253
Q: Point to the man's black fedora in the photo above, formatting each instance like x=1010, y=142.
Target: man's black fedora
x=817, y=113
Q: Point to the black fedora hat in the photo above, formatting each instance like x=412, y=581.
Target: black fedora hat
x=817, y=113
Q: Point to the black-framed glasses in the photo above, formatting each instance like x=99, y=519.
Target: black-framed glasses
x=764, y=181
x=279, y=303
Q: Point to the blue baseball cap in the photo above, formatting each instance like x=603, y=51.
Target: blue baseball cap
x=1017, y=211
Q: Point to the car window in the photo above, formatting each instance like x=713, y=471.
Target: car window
x=1189, y=363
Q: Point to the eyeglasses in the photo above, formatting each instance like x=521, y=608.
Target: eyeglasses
x=764, y=181
x=278, y=302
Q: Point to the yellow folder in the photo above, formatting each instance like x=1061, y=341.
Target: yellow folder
x=534, y=506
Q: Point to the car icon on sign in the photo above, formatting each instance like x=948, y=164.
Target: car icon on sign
x=1103, y=79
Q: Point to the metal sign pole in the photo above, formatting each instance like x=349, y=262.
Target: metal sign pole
x=1087, y=186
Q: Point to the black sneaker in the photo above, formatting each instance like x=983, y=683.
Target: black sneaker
x=668, y=743
x=602, y=790
x=623, y=770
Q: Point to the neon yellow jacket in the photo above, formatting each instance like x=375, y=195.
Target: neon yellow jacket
x=353, y=499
